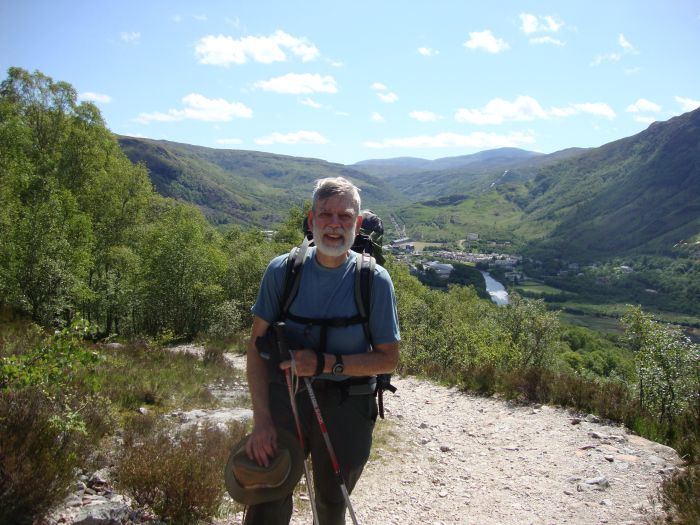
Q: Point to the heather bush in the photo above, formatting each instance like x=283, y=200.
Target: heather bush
x=179, y=476
x=40, y=448
x=50, y=420
x=680, y=497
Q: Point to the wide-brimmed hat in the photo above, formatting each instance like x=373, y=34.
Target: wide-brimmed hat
x=250, y=483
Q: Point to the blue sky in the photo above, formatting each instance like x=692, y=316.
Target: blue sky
x=354, y=80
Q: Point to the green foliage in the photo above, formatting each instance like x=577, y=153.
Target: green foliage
x=50, y=421
x=680, y=497
x=181, y=268
x=178, y=477
x=50, y=366
x=533, y=330
x=586, y=351
x=39, y=447
x=668, y=366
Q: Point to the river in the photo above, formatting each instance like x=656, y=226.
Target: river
x=496, y=290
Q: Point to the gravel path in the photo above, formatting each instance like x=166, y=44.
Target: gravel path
x=445, y=457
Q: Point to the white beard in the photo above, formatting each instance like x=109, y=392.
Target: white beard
x=335, y=249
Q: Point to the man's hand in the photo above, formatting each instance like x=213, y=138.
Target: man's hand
x=305, y=362
x=262, y=443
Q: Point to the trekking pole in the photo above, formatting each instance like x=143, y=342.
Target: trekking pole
x=284, y=349
x=331, y=451
x=307, y=475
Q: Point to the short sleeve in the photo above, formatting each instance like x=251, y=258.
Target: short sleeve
x=267, y=303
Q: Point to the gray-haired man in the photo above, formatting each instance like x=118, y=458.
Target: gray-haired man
x=326, y=291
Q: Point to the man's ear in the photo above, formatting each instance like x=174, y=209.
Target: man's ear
x=358, y=224
x=310, y=218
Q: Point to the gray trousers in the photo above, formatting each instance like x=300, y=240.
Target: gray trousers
x=350, y=422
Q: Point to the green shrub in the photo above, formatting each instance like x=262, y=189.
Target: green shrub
x=680, y=496
x=40, y=448
x=181, y=477
x=226, y=320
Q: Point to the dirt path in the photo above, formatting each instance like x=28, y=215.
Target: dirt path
x=446, y=457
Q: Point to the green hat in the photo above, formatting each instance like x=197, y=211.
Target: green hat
x=250, y=483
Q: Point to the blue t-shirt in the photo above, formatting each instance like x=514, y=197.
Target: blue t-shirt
x=329, y=293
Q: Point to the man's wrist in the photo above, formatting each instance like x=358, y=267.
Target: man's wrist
x=321, y=363
x=329, y=359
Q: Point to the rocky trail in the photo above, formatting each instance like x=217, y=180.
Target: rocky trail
x=445, y=457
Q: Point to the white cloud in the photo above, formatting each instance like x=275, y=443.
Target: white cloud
x=311, y=103
x=376, y=117
x=529, y=23
x=546, y=40
x=224, y=50
x=563, y=112
x=229, y=142
x=644, y=120
x=389, y=98
x=688, y=104
x=525, y=108
x=378, y=86
x=533, y=24
x=449, y=140
x=599, y=109
x=300, y=137
x=498, y=111
x=296, y=84
x=607, y=57
x=643, y=105
x=427, y=51
x=486, y=41
x=424, y=116
x=628, y=48
x=95, y=97
x=199, y=107
x=130, y=37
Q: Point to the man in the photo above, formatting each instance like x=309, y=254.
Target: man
x=326, y=291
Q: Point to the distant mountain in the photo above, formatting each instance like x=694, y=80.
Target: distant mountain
x=398, y=166
x=474, y=174
x=640, y=194
x=240, y=186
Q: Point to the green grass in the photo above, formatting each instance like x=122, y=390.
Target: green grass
x=537, y=288
x=597, y=323
x=134, y=376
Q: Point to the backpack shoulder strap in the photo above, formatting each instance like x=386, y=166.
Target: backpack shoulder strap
x=295, y=264
x=364, y=277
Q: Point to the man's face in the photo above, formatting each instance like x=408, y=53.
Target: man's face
x=333, y=225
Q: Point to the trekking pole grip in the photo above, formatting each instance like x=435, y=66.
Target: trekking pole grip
x=282, y=344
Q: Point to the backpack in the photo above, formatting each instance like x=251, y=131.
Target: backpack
x=367, y=245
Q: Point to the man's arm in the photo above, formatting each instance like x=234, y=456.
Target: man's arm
x=263, y=441
x=383, y=360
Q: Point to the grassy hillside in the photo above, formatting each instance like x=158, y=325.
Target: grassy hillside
x=245, y=187
x=636, y=195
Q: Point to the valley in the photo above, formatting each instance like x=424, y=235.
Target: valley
x=576, y=216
